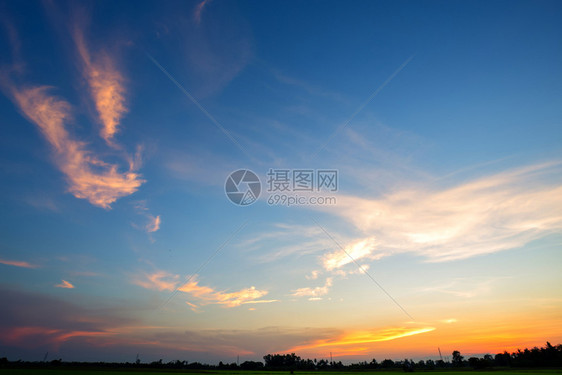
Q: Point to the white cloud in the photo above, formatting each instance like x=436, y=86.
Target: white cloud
x=499, y=212
x=314, y=293
x=356, y=250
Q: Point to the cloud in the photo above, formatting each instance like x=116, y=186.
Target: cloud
x=286, y=240
x=357, y=250
x=449, y=321
x=307, y=87
x=313, y=275
x=88, y=177
x=64, y=284
x=362, y=337
x=199, y=10
x=344, y=273
x=106, y=87
x=213, y=61
x=463, y=287
x=17, y=263
x=207, y=295
x=162, y=280
x=154, y=224
x=486, y=215
x=31, y=322
x=314, y=292
x=159, y=280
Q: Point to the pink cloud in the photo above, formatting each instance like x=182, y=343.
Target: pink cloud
x=153, y=225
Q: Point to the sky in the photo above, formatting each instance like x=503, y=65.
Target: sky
x=400, y=185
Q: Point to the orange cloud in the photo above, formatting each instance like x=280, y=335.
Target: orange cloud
x=159, y=280
x=362, y=338
x=232, y=299
x=16, y=263
x=106, y=87
x=162, y=280
x=65, y=284
x=88, y=177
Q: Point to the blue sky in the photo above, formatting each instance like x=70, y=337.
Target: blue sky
x=122, y=121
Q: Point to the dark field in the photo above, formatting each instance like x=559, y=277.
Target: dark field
x=154, y=372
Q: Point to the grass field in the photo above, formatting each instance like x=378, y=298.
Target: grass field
x=154, y=372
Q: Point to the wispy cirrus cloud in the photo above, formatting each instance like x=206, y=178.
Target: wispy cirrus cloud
x=211, y=60
x=106, y=85
x=17, y=263
x=65, y=285
x=463, y=287
x=486, y=215
x=88, y=176
x=289, y=240
x=198, y=10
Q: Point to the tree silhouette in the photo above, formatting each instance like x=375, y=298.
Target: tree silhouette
x=457, y=358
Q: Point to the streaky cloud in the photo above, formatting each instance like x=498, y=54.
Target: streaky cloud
x=17, y=263
x=199, y=9
x=88, y=177
x=106, y=87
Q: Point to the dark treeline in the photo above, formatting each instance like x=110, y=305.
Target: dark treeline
x=547, y=356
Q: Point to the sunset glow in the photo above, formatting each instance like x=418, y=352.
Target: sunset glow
x=221, y=180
